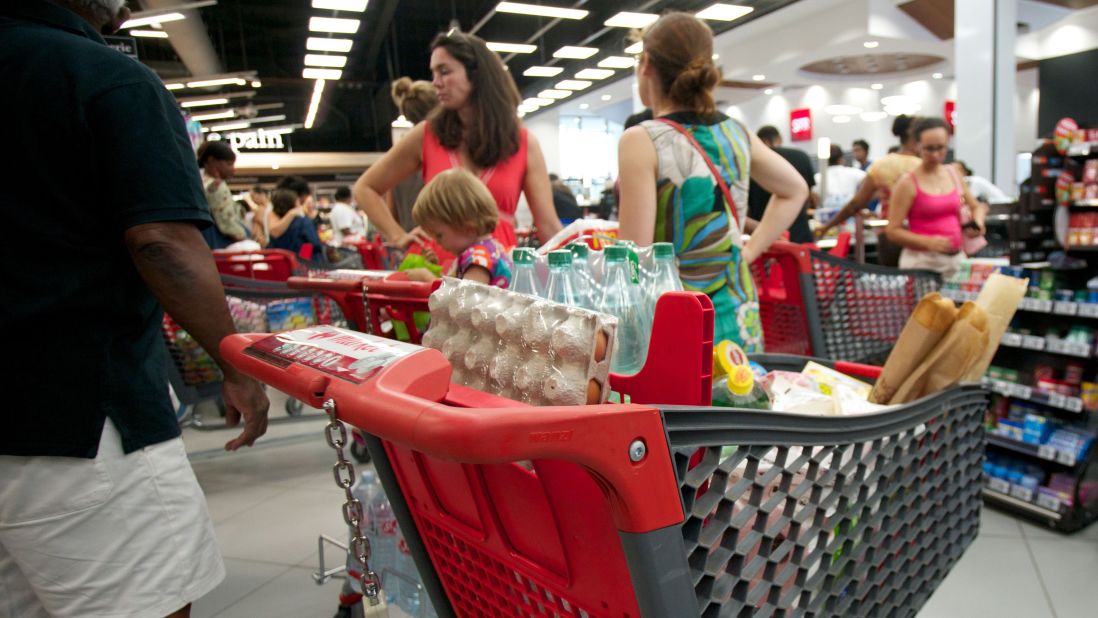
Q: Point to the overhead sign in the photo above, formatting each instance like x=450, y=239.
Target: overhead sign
x=125, y=44
x=252, y=140
x=800, y=125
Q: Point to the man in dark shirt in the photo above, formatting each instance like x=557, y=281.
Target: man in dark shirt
x=564, y=202
x=758, y=198
x=100, y=513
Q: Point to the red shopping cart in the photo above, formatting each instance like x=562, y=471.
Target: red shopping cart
x=781, y=514
x=817, y=304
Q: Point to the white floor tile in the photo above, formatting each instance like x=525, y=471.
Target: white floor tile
x=283, y=529
x=1069, y=569
x=226, y=500
x=997, y=523
x=1033, y=530
x=293, y=594
x=242, y=578
x=994, y=579
x=307, y=461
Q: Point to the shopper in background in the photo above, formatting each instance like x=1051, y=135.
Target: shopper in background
x=100, y=512
x=258, y=200
x=668, y=189
x=458, y=212
x=758, y=198
x=929, y=198
x=346, y=220
x=278, y=224
x=294, y=195
x=882, y=174
x=982, y=189
x=217, y=162
x=842, y=181
x=415, y=100
x=564, y=201
x=860, y=152
x=476, y=127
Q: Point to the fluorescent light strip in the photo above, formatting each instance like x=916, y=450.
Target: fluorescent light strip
x=311, y=73
x=321, y=60
x=519, y=8
x=232, y=126
x=554, y=94
x=572, y=84
x=617, y=62
x=175, y=86
x=635, y=48
x=203, y=102
x=214, y=116
x=511, y=48
x=334, y=24
x=594, y=74
x=723, y=12
x=149, y=34
x=153, y=19
x=537, y=101
x=225, y=81
x=278, y=118
x=575, y=53
x=625, y=19
x=355, y=6
x=314, y=104
x=543, y=71
x=316, y=43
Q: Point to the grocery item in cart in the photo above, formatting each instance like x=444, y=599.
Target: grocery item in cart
x=560, y=288
x=740, y=390
x=521, y=347
x=525, y=278
x=621, y=298
x=587, y=288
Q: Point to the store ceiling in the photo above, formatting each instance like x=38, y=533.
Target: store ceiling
x=393, y=40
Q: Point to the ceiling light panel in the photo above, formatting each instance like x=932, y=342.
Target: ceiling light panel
x=537, y=101
x=723, y=12
x=313, y=73
x=334, y=24
x=575, y=53
x=149, y=34
x=572, y=84
x=626, y=19
x=153, y=19
x=617, y=62
x=520, y=8
x=214, y=115
x=232, y=126
x=321, y=60
x=314, y=103
x=175, y=86
x=635, y=48
x=354, y=6
x=594, y=74
x=554, y=94
x=341, y=46
x=511, y=48
x=203, y=102
x=543, y=71
x=226, y=81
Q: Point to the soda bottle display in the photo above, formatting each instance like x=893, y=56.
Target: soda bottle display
x=560, y=288
x=621, y=298
x=739, y=390
x=525, y=277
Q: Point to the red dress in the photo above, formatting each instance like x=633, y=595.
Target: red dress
x=504, y=180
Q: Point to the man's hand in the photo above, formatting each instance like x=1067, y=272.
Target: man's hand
x=244, y=398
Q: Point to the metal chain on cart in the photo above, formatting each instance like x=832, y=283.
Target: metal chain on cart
x=344, y=472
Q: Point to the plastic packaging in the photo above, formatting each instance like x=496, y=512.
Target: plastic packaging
x=560, y=288
x=621, y=299
x=740, y=390
x=588, y=290
x=525, y=279
x=663, y=278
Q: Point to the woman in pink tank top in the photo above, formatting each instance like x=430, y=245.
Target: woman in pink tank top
x=475, y=127
x=929, y=199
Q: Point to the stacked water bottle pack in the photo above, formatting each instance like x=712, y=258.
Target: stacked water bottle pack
x=623, y=281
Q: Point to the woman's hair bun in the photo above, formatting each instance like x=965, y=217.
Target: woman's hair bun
x=401, y=88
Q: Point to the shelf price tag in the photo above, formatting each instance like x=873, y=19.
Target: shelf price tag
x=999, y=485
x=1046, y=452
x=1048, y=502
x=1074, y=404
x=1024, y=494
x=1031, y=342
x=1065, y=457
x=1013, y=340
x=1065, y=308
x=1088, y=310
x=1021, y=391
x=1042, y=305
x=1057, y=400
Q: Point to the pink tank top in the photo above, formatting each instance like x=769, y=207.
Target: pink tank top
x=936, y=215
x=504, y=180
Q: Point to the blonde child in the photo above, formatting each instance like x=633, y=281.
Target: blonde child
x=457, y=210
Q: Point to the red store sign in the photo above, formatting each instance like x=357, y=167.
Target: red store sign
x=950, y=113
x=800, y=125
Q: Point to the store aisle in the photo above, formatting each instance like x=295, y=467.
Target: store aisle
x=271, y=502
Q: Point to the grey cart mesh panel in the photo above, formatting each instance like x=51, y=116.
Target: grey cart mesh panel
x=789, y=515
x=863, y=308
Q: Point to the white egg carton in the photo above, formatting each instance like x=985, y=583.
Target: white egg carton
x=521, y=347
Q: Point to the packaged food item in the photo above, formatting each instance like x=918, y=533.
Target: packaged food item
x=740, y=390
x=1089, y=393
x=1073, y=373
x=828, y=379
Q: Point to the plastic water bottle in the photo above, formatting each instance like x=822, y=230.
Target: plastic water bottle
x=665, y=277
x=390, y=556
x=583, y=282
x=560, y=288
x=621, y=298
x=740, y=390
x=525, y=277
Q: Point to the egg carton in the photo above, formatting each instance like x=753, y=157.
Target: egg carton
x=521, y=347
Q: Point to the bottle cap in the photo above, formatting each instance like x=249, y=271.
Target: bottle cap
x=741, y=380
x=579, y=249
x=522, y=255
x=560, y=257
x=616, y=253
x=663, y=251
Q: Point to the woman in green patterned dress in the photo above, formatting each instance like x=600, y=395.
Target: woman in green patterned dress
x=668, y=189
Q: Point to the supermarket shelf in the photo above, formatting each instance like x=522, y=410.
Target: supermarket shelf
x=1053, y=345
x=1028, y=393
x=1036, y=305
x=1022, y=506
x=1086, y=203
x=1040, y=451
x=1082, y=150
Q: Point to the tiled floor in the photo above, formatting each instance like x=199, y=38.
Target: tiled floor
x=271, y=502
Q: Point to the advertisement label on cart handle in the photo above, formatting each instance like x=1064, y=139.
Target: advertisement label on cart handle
x=349, y=355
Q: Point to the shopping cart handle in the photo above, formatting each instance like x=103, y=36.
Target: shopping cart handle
x=323, y=284
x=403, y=404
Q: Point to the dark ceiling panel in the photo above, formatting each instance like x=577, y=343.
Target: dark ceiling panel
x=934, y=15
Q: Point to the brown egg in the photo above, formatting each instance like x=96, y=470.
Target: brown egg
x=594, y=392
x=600, y=346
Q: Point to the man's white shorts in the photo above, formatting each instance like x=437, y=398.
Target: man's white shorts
x=120, y=535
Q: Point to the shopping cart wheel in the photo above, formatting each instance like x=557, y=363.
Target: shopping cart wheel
x=294, y=407
x=359, y=452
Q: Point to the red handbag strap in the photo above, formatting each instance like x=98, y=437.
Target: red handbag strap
x=712, y=168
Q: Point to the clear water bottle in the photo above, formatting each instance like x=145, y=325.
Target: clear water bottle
x=665, y=278
x=525, y=278
x=382, y=532
x=583, y=282
x=621, y=298
x=560, y=288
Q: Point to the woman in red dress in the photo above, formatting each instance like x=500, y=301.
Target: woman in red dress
x=475, y=126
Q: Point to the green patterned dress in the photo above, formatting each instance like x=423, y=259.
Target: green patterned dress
x=692, y=214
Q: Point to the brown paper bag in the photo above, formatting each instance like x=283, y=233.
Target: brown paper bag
x=928, y=324
x=999, y=299
x=961, y=348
